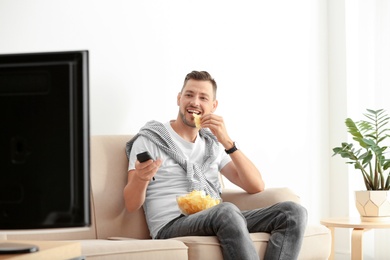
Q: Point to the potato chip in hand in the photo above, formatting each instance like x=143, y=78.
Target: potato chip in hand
x=196, y=120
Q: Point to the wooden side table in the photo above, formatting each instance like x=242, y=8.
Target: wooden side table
x=47, y=250
x=358, y=228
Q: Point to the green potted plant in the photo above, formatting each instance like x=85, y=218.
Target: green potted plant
x=368, y=155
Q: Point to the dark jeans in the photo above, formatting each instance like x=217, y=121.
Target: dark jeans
x=285, y=221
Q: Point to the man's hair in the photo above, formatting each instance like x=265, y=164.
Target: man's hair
x=201, y=75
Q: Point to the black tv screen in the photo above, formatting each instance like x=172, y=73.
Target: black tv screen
x=44, y=140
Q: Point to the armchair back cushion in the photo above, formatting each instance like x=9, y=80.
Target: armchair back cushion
x=110, y=177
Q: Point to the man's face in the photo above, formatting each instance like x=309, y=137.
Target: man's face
x=196, y=97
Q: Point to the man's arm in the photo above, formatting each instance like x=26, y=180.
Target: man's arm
x=240, y=171
x=137, y=182
x=243, y=173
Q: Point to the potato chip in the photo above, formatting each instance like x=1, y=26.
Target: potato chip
x=195, y=201
x=196, y=120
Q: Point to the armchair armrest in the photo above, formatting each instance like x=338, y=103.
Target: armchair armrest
x=268, y=197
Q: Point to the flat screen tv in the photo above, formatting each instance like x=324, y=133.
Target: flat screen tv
x=44, y=140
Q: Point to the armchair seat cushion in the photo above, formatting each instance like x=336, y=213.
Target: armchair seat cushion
x=209, y=248
x=133, y=249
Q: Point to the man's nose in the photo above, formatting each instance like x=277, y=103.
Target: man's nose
x=195, y=101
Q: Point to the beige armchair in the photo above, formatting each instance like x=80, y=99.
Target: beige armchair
x=117, y=234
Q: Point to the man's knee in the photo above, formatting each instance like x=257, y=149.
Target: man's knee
x=226, y=207
x=228, y=211
x=295, y=208
x=294, y=211
x=229, y=220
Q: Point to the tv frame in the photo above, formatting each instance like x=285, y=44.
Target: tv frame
x=78, y=68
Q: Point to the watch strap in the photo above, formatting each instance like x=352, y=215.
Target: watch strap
x=232, y=150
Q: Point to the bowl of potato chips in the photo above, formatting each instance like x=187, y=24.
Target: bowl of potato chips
x=195, y=201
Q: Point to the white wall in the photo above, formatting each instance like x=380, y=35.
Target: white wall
x=268, y=57
x=368, y=80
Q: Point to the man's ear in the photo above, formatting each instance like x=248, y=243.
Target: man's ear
x=215, y=105
x=178, y=98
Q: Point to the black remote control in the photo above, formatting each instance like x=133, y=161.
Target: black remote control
x=143, y=157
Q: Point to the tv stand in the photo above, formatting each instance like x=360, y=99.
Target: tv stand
x=43, y=250
x=17, y=248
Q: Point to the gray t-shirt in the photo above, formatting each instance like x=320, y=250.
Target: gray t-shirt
x=160, y=205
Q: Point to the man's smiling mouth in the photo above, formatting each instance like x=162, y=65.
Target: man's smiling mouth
x=191, y=111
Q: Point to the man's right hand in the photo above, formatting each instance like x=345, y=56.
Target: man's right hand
x=145, y=171
x=138, y=180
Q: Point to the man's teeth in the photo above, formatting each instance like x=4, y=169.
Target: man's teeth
x=194, y=112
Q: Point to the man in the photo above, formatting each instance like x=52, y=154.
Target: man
x=187, y=158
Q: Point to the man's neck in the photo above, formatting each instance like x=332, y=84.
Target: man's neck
x=186, y=132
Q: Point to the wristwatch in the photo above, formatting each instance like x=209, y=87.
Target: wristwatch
x=233, y=149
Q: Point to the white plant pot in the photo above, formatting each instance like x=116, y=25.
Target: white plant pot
x=373, y=205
